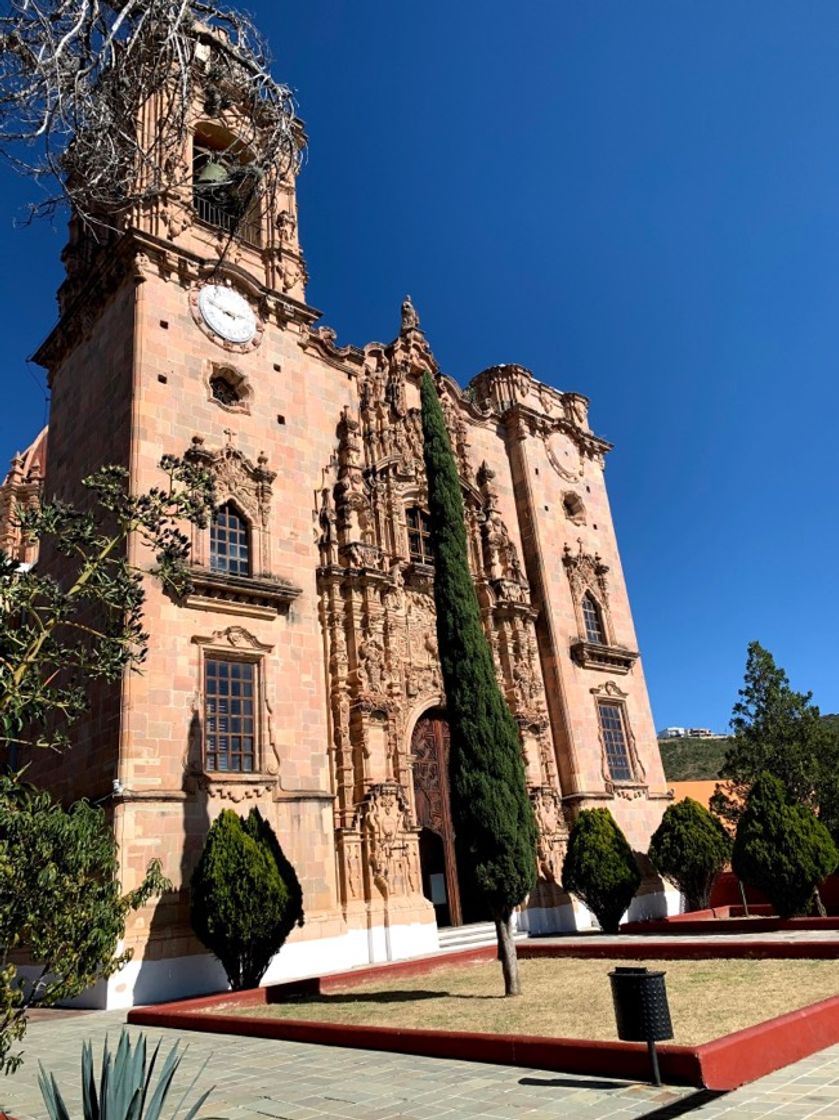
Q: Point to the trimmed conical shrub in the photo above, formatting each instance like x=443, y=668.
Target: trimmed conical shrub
x=781, y=847
x=690, y=847
x=600, y=868
x=493, y=819
x=261, y=831
x=241, y=908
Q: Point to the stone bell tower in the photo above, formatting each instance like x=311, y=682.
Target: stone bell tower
x=184, y=330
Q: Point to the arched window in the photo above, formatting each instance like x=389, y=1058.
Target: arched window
x=419, y=536
x=223, y=183
x=229, y=542
x=593, y=620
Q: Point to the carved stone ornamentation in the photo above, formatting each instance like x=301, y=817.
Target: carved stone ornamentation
x=378, y=612
x=586, y=573
x=552, y=838
x=410, y=319
x=383, y=817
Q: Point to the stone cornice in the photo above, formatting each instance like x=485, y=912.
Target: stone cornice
x=606, y=658
x=321, y=341
x=273, y=594
x=510, y=393
x=138, y=254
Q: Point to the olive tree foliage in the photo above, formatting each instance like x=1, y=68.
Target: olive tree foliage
x=779, y=730
x=493, y=818
x=245, y=896
x=690, y=847
x=83, y=619
x=782, y=848
x=60, y=903
x=62, y=627
x=76, y=74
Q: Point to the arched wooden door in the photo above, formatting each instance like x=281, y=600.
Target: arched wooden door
x=430, y=759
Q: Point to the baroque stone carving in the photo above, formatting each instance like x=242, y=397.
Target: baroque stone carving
x=383, y=817
x=586, y=572
x=236, y=637
x=236, y=476
x=552, y=841
x=378, y=612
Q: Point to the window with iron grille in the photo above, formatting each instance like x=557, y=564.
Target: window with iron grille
x=223, y=390
x=229, y=715
x=613, y=730
x=419, y=536
x=229, y=542
x=593, y=620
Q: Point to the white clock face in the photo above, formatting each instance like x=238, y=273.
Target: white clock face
x=227, y=313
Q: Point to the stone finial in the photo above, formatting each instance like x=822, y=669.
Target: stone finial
x=410, y=319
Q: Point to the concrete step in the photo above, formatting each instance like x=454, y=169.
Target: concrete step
x=471, y=936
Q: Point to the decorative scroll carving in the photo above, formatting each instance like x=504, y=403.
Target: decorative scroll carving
x=236, y=637
x=586, y=573
x=383, y=817
x=245, y=483
x=501, y=557
x=552, y=840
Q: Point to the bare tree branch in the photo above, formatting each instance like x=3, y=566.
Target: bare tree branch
x=78, y=78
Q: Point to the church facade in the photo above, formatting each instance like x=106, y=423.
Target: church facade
x=301, y=674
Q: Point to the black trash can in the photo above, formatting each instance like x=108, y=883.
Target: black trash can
x=641, y=1009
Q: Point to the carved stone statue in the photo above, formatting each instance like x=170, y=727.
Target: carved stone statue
x=410, y=319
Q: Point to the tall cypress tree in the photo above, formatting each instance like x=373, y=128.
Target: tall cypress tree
x=495, y=831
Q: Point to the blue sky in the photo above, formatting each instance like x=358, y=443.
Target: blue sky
x=639, y=202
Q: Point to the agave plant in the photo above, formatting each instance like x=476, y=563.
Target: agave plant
x=124, y=1091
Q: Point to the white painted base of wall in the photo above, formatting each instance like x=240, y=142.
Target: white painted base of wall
x=575, y=917
x=540, y=921
x=158, y=981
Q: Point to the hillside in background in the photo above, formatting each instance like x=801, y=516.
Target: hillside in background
x=692, y=760
x=695, y=760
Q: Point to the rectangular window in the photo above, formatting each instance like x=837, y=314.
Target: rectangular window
x=419, y=536
x=614, y=740
x=229, y=715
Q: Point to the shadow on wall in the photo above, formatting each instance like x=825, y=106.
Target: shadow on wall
x=176, y=963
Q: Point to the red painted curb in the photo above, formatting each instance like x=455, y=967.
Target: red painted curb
x=743, y=1056
x=680, y=1065
x=700, y=949
x=687, y=924
x=723, y=1063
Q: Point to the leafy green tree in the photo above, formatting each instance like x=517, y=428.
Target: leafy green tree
x=600, y=868
x=690, y=847
x=60, y=904
x=62, y=625
x=241, y=908
x=493, y=819
x=781, y=731
x=81, y=618
x=781, y=847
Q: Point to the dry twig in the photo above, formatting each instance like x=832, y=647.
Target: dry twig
x=76, y=76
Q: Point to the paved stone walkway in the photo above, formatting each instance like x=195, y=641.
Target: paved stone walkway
x=258, y=1078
